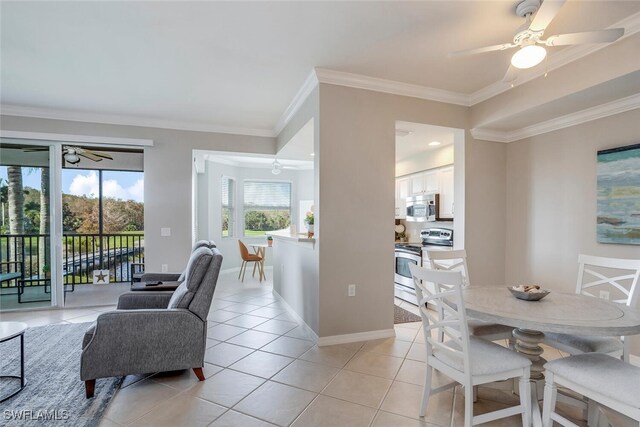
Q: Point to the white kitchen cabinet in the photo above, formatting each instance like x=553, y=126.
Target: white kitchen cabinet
x=446, y=188
x=417, y=184
x=432, y=181
x=401, y=208
x=402, y=188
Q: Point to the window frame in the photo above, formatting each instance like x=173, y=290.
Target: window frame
x=264, y=180
x=231, y=193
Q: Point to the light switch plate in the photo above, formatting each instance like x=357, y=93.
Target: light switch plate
x=165, y=268
x=165, y=232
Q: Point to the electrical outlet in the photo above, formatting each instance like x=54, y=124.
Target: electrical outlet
x=165, y=268
x=282, y=268
x=604, y=294
x=352, y=290
x=165, y=232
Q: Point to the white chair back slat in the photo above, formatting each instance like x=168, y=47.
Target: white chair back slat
x=443, y=290
x=455, y=260
x=624, y=279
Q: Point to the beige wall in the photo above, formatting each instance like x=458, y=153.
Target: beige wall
x=167, y=176
x=551, y=201
x=357, y=169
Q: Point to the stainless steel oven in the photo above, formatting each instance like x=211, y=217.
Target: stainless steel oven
x=405, y=255
x=423, y=208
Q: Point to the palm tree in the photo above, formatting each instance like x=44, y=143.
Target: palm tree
x=16, y=210
x=43, y=255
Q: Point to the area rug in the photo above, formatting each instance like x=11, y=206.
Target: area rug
x=54, y=393
x=400, y=315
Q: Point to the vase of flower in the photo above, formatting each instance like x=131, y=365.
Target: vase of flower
x=309, y=221
x=269, y=240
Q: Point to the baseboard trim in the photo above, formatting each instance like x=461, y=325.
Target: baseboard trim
x=296, y=316
x=357, y=337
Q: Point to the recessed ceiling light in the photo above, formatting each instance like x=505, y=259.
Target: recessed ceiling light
x=403, y=132
x=312, y=154
x=434, y=143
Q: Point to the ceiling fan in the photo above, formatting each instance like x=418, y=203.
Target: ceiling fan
x=528, y=37
x=72, y=154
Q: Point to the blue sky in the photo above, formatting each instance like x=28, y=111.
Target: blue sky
x=120, y=185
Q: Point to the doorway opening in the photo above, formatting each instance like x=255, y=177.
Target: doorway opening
x=429, y=213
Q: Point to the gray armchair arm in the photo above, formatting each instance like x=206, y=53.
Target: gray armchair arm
x=160, y=277
x=144, y=300
x=128, y=341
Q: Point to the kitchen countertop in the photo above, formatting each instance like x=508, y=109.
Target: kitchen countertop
x=297, y=237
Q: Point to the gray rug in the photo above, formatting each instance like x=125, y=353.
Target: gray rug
x=54, y=389
x=400, y=315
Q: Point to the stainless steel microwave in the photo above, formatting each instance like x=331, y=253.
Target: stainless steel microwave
x=423, y=208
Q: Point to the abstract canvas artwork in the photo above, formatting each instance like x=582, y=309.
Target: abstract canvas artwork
x=619, y=195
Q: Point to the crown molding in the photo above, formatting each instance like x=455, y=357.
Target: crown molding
x=83, y=139
x=483, y=134
x=79, y=116
x=631, y=24
x=589, y=114
x=300, y=97
x=375, y=84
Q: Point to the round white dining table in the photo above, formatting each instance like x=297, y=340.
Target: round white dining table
x=557, y=312
x=261, y=249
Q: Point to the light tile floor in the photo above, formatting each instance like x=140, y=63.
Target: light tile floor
x=264, y=369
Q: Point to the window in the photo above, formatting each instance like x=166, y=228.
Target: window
x=228, y=206
x=267, y=206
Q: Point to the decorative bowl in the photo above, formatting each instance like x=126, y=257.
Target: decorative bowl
x=528, y=296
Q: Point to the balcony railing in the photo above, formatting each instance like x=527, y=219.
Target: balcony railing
x=81, y=254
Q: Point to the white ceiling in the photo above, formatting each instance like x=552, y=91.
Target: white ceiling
x=418, y=140
x=239, y=64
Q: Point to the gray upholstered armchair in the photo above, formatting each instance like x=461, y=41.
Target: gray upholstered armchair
x=174, y=277
x=154, y=331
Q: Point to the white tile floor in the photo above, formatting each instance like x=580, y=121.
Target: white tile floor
x=264, y=369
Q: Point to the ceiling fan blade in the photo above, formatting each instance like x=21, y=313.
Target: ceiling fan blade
x=481, y=50
x=601, y=36
x=89, y=156
x=548, y=10
x=511, y=75
x=99, y=154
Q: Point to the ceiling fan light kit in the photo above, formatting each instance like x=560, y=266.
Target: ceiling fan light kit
x=528, y=56
x=528, y=38
x=72, y=158
x=277, y=167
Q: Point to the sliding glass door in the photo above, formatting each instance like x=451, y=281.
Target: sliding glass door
x=26, y=251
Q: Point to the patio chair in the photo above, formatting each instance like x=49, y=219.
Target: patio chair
x=615, y=275
x=456, y=260
x=154, y=331
x=16, y=276
x=599, y=377
x=465, y=359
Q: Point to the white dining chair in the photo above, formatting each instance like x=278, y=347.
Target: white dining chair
x=467, y=360
x=615, y=276
x=456, y=260
x=601, y=378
